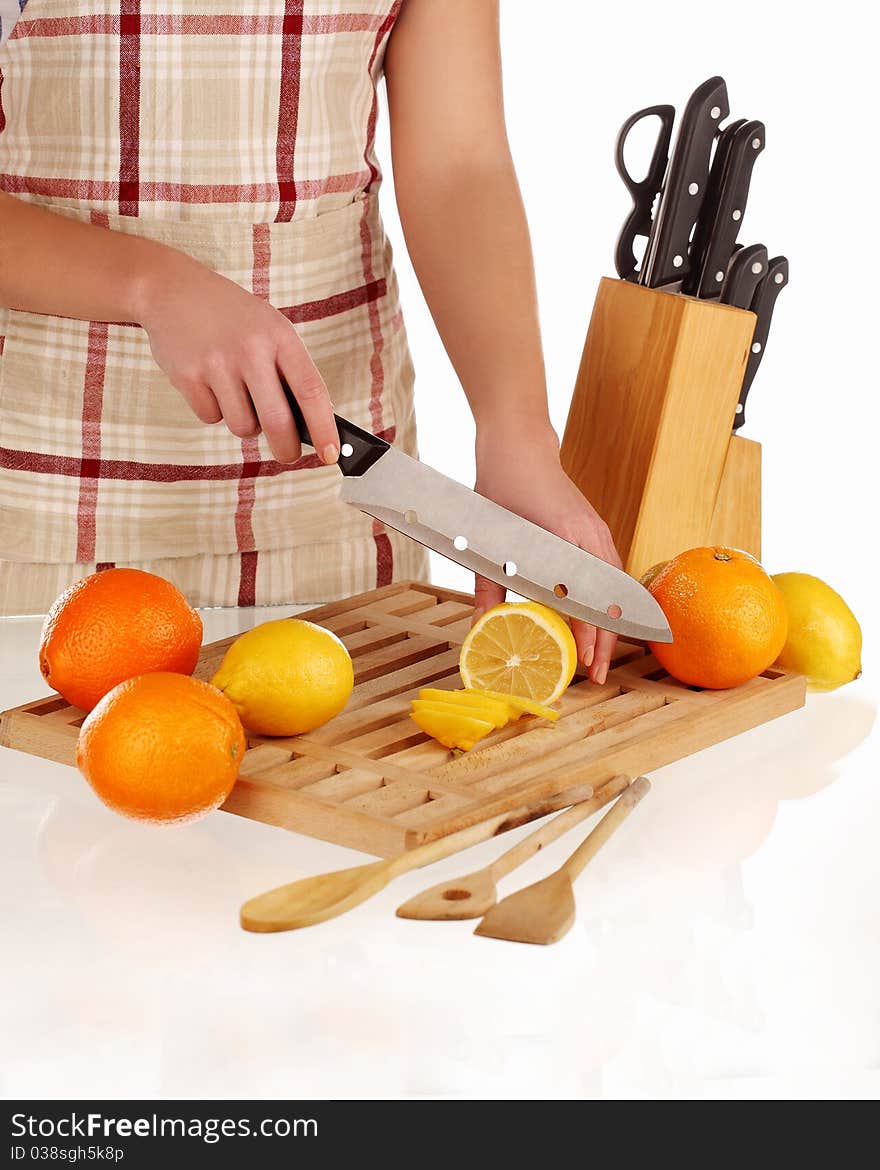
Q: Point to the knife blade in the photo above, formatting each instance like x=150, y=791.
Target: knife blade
x=744, y=273
x=762, y=305
x=684, y=188
x=643, y=192
x=722, y=214
x=487, y=539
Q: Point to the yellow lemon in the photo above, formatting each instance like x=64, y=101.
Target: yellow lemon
x=495, y=713
x=824, y=640
x=519, y=648
x=520, y=706
x=286, y=677
x=450, y=728
x=513, y=705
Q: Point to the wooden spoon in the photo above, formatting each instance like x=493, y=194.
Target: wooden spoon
x=544, y=912
x=315, y=899
x=472, y=895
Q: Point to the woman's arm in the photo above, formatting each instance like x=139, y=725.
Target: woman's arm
x=219, y=345
x=466, y=232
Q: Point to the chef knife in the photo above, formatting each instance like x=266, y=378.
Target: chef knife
x=486, y=538
x=744, y=273
x=644, y=191
x=763, y=302
x=684, y=189
x=722, y=214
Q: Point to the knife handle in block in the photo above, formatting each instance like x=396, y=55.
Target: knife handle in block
x=746, y=270
x=358, y=449
x=762, y=305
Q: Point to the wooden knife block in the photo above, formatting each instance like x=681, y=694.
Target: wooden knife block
x=648, y=438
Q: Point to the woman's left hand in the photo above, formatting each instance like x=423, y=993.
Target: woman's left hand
x=520, y=470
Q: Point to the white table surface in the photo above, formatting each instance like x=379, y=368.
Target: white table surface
x=727, y=942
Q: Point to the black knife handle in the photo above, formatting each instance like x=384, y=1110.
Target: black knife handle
x=762, y=305
x=358, y=451
x=643, y=191
x=666, y=258
x=711, y=259
x=744, y=273
x=703, y=230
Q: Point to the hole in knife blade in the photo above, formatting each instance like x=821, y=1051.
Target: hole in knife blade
x=411, y=516
x=460, y=542
x=560, y=590
x=614, y=611
x=509, y=568
x=346, y=449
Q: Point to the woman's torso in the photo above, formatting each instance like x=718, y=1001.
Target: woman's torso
x=178, y=109
x=247, y=141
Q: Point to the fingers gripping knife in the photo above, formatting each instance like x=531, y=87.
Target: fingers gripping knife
x=487, y=539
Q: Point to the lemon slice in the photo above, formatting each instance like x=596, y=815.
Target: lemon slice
x=451, y=729
x=519, y=648
x=474, y=703
x=495, y=713
x=518, y=705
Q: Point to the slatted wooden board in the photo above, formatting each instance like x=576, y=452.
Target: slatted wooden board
x=370, y=779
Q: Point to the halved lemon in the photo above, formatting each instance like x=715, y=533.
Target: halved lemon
x=519, y=648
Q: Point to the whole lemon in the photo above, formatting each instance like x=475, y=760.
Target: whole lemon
x=286, y=677
x=824, y=640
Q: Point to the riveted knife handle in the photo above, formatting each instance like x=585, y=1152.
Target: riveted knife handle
x=642, y=191
x=359, y=450
x=762, y=306
x=747, y=143
x=667, y=255
x=744, y=273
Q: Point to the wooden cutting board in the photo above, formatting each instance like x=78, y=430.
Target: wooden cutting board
x=371, y=780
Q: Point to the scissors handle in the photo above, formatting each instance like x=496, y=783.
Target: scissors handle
x=643, y=191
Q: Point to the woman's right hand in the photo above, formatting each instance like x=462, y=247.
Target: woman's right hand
x=223, y=349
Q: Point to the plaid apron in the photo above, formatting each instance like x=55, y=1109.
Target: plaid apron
x=246, y=141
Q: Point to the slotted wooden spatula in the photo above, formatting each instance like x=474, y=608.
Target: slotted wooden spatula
x=544, y=912
x=472, y=895
x=315, y=899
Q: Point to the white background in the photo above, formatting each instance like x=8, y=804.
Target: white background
x=573, y=73
x=727, y=941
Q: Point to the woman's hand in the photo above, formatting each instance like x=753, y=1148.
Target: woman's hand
x=520, y=469
x=223, y=349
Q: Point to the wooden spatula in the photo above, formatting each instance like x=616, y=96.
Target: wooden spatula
x=472, y=895
x=315, y=899
x=544, y=912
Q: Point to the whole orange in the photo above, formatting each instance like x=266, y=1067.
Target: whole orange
x=728, y=618
x=162, y=747
x=114, y=625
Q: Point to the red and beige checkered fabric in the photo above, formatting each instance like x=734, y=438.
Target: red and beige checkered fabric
x=246, y=141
